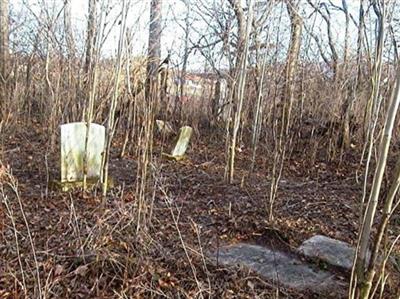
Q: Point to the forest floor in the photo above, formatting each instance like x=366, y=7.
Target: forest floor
x=87, y=248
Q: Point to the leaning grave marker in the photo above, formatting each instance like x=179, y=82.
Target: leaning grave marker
x=185, y=133
x=184, y=137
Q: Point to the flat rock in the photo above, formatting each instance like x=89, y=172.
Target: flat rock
x=280, y=268
x=330, y=251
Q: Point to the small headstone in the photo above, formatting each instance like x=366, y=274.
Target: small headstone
x=164, y=127
x=330, y=251
x=183, y=142
x=280, y=268
x=73, y=151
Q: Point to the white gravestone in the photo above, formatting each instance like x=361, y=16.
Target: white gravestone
x=73, y=151
x=184, y=137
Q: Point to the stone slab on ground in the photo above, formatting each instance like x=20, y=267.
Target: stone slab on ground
x=330, y=251
x=280, y=268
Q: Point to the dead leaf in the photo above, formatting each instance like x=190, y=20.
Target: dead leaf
x=59, y=270
x=81, y=270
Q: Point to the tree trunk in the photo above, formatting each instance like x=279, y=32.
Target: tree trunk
x=349, y=98
x=4, y=51
x=240, y=72
x=91, y=35
x=283, y=139
x=111, y=123
x=296, y=25
x=185, y=59
x=241, y=34
x=69, y=37
x=154, y=48
x=365, y=278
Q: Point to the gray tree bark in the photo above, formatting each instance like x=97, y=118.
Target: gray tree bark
x=154, y=47
x=69, y=37
x=91, y=35
x=4, y=51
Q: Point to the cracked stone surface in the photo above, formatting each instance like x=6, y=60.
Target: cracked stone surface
x=330, y=251
x=280, y=268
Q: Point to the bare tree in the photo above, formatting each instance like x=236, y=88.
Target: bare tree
x=283, y=138
x=111, y=123
x=240, y=73
x=333, y=61
x=296, y=25
x=69, y=37
x=154, y=47
x=4, y=51
x=367, y=269
x=349, y=98
x=185, y=54
x=91, y=35
x=241, y=31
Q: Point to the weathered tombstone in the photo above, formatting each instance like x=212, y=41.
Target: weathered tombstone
x=164, y=127
x=330, y=251
x=73, y=137
x=181, y=146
